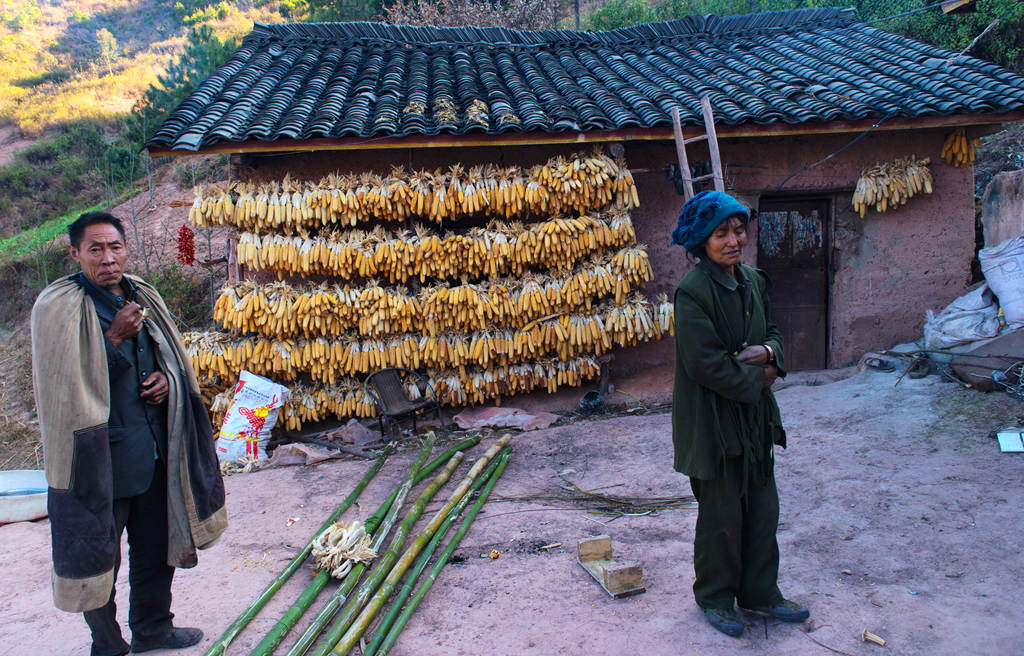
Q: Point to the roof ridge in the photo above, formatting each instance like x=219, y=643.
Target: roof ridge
x=705, y=25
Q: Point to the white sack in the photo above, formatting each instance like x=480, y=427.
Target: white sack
x=969, y=318
x=1003, y=266
x=250, y=417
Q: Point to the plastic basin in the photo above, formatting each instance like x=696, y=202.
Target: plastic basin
x=22, y=495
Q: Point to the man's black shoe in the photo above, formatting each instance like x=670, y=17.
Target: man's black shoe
x=725, y=620
x=178, y=638
x=785, y=610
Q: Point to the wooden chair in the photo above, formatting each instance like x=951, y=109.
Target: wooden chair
x=387, y=389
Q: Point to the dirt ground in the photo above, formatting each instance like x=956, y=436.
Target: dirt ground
x=899, y=515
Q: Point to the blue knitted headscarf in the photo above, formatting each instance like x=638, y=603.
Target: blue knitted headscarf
x=701, y=215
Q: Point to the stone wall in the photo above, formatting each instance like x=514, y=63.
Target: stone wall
x=1002, y=208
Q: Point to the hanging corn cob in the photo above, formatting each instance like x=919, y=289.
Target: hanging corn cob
x=497, y=249
x=327, y=360
x=280, y=310
x=575, y=185
x=310, y=403
x=958, y=150
x=891, y=185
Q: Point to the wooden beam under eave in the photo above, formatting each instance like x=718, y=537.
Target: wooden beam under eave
x=746, y=131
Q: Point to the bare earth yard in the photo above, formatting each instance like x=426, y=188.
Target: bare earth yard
x=899, y=515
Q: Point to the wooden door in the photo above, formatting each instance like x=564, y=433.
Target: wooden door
x=792, y=240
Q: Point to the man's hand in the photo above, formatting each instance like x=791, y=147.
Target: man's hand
x=756, y=355
x=126, y=324
x=154, y=388
x=771, y=372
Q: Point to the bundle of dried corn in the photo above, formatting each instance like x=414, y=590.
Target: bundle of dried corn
x=891, y=185
x=566, y=336
x=958, y=150
x=280, y=310
x=495, y=250
x=575, y=185
x=345, y=398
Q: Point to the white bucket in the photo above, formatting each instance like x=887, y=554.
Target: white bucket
x=22, y=495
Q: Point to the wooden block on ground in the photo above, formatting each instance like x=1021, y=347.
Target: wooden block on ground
x=595, y=548
x=623, y=577
x=617, y=579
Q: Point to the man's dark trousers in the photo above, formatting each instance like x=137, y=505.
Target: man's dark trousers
x=735, y=551
x=149, y=575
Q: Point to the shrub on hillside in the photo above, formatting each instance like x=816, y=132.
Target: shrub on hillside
x=187, y=295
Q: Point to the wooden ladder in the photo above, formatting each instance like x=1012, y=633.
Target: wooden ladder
x=711, y=137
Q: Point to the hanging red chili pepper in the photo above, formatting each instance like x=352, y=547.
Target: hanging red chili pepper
x=186, y=245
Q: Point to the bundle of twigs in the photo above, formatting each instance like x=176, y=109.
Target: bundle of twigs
x=572, y=496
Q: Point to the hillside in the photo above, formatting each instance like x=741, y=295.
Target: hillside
x=67, y=60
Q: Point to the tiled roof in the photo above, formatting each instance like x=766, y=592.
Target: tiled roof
x=340, y=80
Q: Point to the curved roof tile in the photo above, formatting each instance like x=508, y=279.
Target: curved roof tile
x=307, y=81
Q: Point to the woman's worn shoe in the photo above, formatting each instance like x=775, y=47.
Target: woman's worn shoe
x=785, y=610
x=725, y=620
x=178, y=638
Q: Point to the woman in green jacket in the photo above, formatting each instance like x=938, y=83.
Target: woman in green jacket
x=725, y=421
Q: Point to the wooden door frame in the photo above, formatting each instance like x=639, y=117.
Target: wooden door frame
x=827, y=245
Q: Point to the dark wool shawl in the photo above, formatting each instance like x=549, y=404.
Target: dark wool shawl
x=72, y=391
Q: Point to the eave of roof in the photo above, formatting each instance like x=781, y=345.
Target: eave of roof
x=361, y=83
x=724, y=132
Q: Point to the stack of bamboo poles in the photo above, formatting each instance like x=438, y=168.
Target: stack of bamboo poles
x=525, y=302
x=393, y=557
x=576, y=185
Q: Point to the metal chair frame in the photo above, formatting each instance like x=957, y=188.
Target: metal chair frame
x=386, y=396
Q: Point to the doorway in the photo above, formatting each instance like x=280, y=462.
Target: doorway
x=792, y=240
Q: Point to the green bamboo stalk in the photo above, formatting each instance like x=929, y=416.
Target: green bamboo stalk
x=217, y=648
x=320, y=622
x=424, y=559
x=320, y=580
x=407, y=612
x=389, y=569
x=277, y=633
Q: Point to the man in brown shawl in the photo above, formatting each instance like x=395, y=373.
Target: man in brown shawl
x=127, y=443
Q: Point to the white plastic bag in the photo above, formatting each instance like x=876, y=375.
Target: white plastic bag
x=1003, y=266
x=969, y=318
x=249, y=418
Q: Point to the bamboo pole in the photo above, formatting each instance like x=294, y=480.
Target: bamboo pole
x=424, y=559
x=400, y=623
x=320, y=580
x=373, y=578
x=383, y=565
x=362, y=622
x=217, y=648
x=274, y=637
